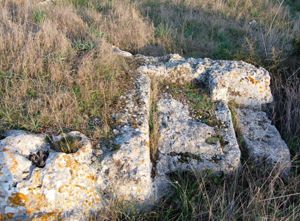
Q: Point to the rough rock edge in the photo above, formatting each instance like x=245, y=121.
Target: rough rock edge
x=229, y=159
x=130, y=181
x=262, y=141
x=225, y=79
x=21, y=186
x=236, y=81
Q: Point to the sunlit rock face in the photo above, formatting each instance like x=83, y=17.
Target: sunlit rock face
x=187, y=144
x=125, y=171
x=64, y=187
x=235, y=81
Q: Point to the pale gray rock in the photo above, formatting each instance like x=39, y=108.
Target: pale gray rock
x=65, y=185
x=175, y=68
x=242, y=83
x=23, y=143
x=230, y=146
x=183, y=143
x=235, y=81
x=121, y=53
x=11, y=133
x=262, y=140
x=125, y=173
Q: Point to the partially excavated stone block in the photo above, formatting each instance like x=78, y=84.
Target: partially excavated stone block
x=239, y=82
x=186, y=144
x=235, y=81
x=174, y=68
x=125, y=173
x=262, y=140
x=63, y=178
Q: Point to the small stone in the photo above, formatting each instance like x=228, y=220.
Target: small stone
x=116, y=132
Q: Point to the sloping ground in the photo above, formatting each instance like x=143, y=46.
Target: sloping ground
x=65, y=177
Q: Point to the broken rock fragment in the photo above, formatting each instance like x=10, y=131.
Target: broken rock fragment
x=262, y=140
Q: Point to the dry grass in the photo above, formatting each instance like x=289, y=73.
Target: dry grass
x=57, y=73
x=49, y=51
x=262, y=32
x=250, y=194
x=222, y=29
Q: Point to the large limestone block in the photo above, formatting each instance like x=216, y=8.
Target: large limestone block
x=239, y=82
x=235, y=81
x=186, y=144
x=262, y=140
x=64, y=188
x=174, y=68
x=125, y=173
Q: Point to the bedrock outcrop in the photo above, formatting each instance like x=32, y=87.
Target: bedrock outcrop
x=44, y=178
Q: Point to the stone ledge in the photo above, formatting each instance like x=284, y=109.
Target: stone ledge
x=183, y=144
x=262, y=140
x=235, y=81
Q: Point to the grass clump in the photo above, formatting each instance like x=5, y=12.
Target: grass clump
x=83, y=45
x=197, y=97
x=39, y=16
x=247, y=194
x=67, y=143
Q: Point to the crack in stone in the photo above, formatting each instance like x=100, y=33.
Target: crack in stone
x=153, y=126
x=39, y=158
x=185, y=156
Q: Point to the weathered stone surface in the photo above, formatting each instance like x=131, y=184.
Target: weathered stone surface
x=23, y=143
x=75, y=185
x=65, y=187
x=184, y=143
x=125, y=173
x=230, y=147
x=262, y=140
x=239, y=82
x=227, y=80
x=173, y=67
